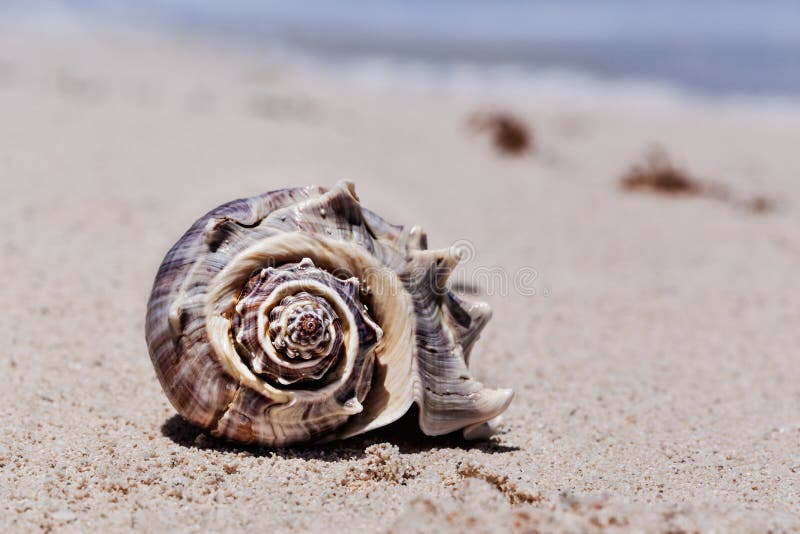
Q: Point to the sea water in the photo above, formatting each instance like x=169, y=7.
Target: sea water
x=721, y=47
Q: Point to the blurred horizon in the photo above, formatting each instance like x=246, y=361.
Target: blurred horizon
x=736, y=47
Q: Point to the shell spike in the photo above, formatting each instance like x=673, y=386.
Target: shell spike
x=346, y=185
x=433, y=268
x=467, y=320
x=352, y=406
x=455, y=411
x=417, y=238
x=306, y=263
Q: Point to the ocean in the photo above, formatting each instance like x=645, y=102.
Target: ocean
x=717, y=47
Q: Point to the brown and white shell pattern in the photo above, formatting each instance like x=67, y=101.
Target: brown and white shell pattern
x=299, y=316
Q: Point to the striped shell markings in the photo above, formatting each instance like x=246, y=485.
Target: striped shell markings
x=300, y=316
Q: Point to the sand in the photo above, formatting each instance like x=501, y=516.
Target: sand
x=656, y=367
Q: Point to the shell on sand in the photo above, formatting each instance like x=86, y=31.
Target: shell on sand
x=300, y=316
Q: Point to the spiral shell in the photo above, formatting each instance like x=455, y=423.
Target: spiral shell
x=298, y=315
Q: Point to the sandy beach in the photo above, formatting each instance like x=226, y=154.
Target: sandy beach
x=656, y=366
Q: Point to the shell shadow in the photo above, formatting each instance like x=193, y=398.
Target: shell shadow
x=404, y=433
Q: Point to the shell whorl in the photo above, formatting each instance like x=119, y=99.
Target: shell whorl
x=290, y=323
x=298, y=315
x=304, y=326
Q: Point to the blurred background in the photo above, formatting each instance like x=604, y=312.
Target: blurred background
x=723, y=46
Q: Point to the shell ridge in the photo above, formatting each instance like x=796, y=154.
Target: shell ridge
x=450, y=398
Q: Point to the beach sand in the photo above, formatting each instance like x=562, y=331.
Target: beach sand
x=656, y=367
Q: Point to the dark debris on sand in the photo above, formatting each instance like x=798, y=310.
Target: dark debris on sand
x=510, y=135
x=659, y=175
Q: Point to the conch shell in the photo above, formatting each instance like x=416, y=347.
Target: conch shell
x=299, y=316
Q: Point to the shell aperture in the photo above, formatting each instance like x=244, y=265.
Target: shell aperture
x=300, y=316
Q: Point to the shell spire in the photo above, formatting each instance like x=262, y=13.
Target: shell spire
x=300, y=316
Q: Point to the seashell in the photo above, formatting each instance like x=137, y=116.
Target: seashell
x=299, y=315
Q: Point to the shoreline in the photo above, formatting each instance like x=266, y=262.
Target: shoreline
x=426, y=69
